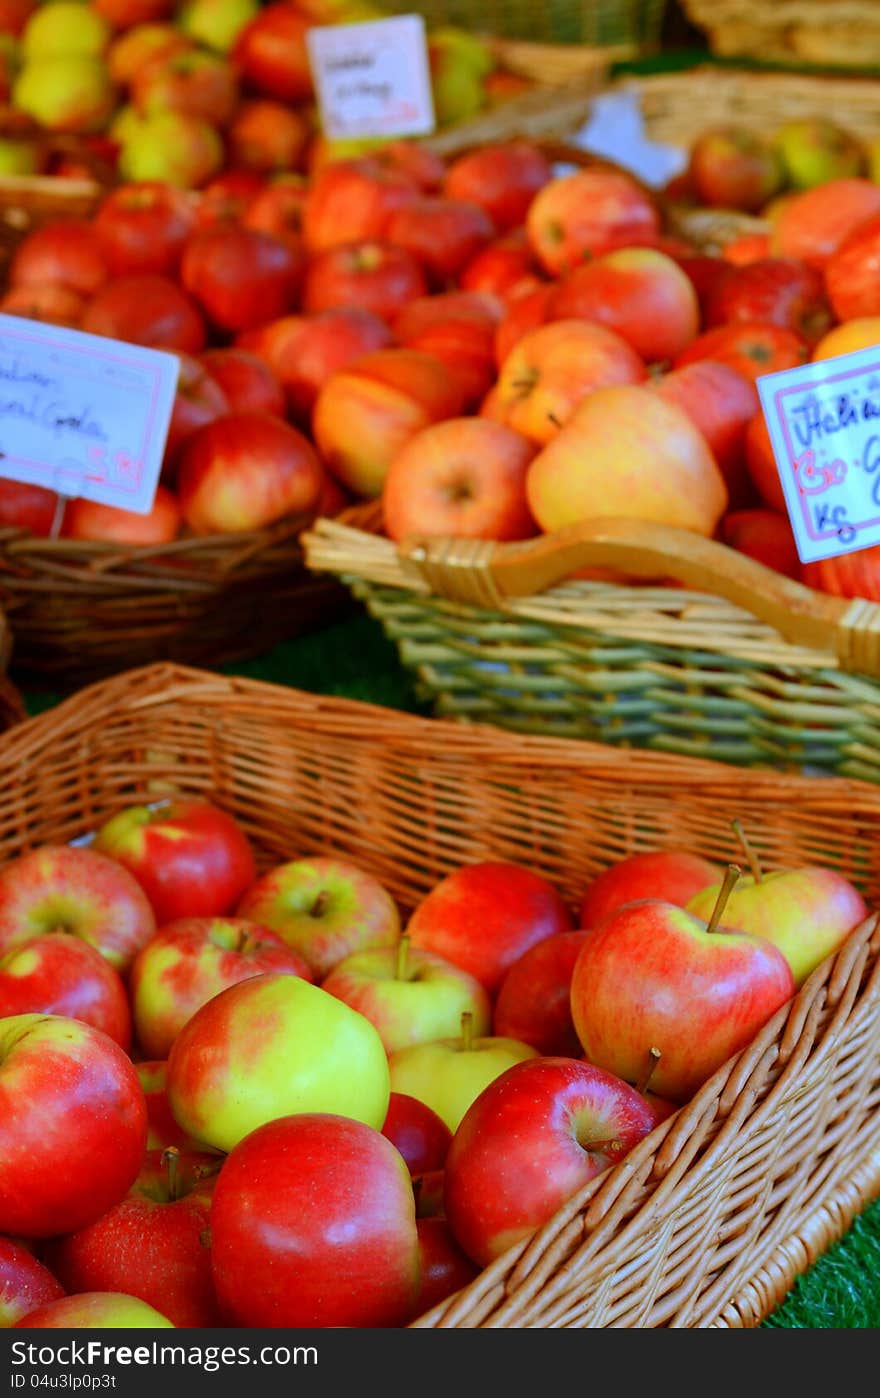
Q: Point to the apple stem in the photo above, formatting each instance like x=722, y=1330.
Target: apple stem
x=734, y=872
x=171, y=1163
x=400, y=968
x=467, y=1029
x=319, y=907
x=748, y=851
x=653, y=1059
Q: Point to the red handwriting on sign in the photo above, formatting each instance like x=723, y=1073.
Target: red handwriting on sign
x=813, y=479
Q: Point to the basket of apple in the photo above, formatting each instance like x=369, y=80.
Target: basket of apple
x=544, y=1033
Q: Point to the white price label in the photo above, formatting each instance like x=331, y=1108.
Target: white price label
x=824, y=424
x=372, y=78
x=83, y=415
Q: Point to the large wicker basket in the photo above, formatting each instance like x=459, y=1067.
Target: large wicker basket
x=710, y=1220
x=829, y=33
x=630, y=27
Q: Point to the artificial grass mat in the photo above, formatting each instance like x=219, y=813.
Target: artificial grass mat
x=354, y=659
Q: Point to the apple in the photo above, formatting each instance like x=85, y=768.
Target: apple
x=325, y=908
x=851, y=271
x=155, y=1242
x=190, y=857
x=721, y=402
x=90, y=519
x=95, y=1310
x=132, y=49
x=196, y=82
x=126, y=14
x=761, y=464
x=271, y=56
x=673, y=874
x=458, y=328
x=409, y=994
x=814, y=223
x=463, y=477
x=784, y=290
x=485, y=914
x=56, y=974
x=625, y=451
x=306, y=351
x=652, y=973
x=587, y=213
x=754, y=347
x=733, y=167
x=73, y=1124
x=554, y=367
x=56, y=304
x=239, y=276
x=380, y=276
x=63, y=27
x=268, y=1046
x=227, y=196
x=352, y=201
x=63, y=251
x=146, y=308
x=501, y=267
x=277, y=207
x=76, y=890
x=447, y=1074
x=267, y=136
x=143, y=226
x=67, y=93
x=640, y=293
x=445, y=1268
x=529, y=1142
x=25, y=1283
x=807, y=912
x=815, y=149
x=216, y=24
x=162, y=1129
x=428, y=1186
x=443, y=234
x=245, y=471
x=247, y=382
x=170, y=146
x=532, y=1002
x=502, y=177
x=33, y=507
x=765, y=535
x=191, y=959
x=199, y=399
x=313, y=1224
x=418, y=1133
x=526, y=309
x=846, y=575
x=859, y=332
x=365, y=413
x=14, y=14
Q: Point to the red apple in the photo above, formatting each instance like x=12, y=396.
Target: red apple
x=63, y=251
x=154, y=1243
x=501, y=267
x=753, y=347
x=350, y=1259
x=463, y=477
x=73, y=1124
x=51, y=302
x=142, y=227
x=442, y=233
x=271, y=56
x=502, y=177
x=783, y=290
x=199, y=399
x=190, y=857
x=588, y=213
x=641, y=293
x=162, y=1129
x=421, y=1136
x=458, y=328
x=651, y=973
x=483, y=915
x=196, y=81
x=721, y=402
x=267, y=136
x=146, y=308
x=25, y=1283
x=227, y=197
x=764, y=535
x=247, y=382
x=95, y=1310
x=76, y=890
x=325, y=908
x=815, y=222
x=277, y=208
x=56, y=974
x=445, y=1268
x=851, y=272
x=761, y=464
x=381, y=277
x=524, y=311
x=532, y=1002
x=733, y=167
x=846, y=574
x=353, y=200
x=239, y=276
x=191, y=959
x=673, y=874
x=133, y=48
x=245, y=471
x=32, y=507
x=126, y=14
x=90, y=519
x=532, y=1139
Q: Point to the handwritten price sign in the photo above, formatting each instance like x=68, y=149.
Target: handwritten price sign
x=372, y=79
x=83, y=415
x=824, y=423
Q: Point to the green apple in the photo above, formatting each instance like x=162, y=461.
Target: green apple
x=215, y=23
x=72, y=93
x=411, y=995
x=95, y=1310
x=448, y=1074
x=806, y=912
x=19, y=157
x=171, y=147
x=817, y=149
x=62, y=28
x=270, y=1046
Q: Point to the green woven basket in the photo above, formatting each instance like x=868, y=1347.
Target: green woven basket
x=739, y=664
x=630, y=24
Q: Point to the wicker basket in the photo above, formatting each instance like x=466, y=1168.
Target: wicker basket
x=829, y=33
x=630, y=26
x=709, y=1221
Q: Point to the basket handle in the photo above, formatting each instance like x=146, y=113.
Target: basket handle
x=485, y=573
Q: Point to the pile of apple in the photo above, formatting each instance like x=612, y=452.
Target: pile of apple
x=276, y=1098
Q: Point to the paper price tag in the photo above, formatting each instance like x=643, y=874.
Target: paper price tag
x=83, y=415
x=372, y=78
x=824, y=424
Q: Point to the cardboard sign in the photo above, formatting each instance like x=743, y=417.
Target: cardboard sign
x=824, y=423
x=83, y=415
x=372, y=79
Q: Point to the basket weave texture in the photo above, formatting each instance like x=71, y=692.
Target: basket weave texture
x=830, y=33
x=631, y=25
x=709, y=1221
